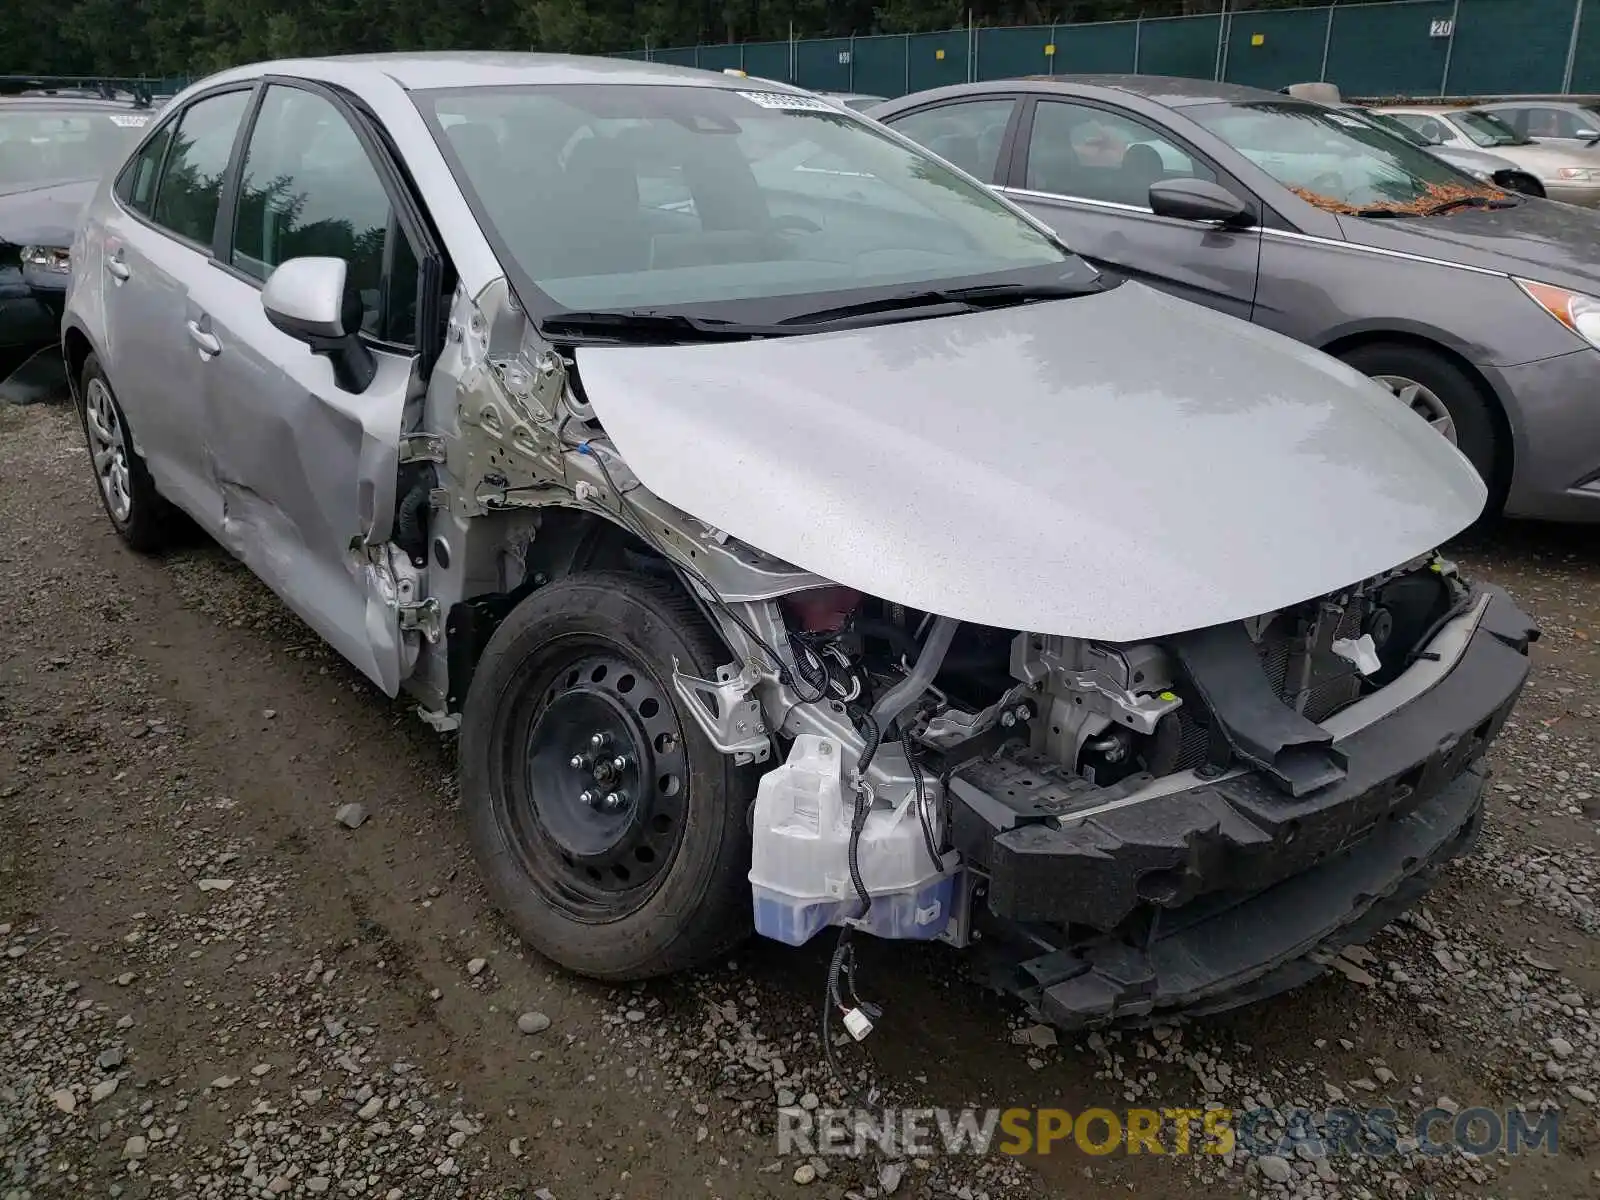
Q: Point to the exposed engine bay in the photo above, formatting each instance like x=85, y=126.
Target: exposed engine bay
x=922, y=700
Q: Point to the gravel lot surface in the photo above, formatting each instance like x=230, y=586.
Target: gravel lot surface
x=243, y=951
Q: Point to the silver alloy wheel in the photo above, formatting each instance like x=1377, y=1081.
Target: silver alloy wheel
x=109, y=448
x=1423, y=402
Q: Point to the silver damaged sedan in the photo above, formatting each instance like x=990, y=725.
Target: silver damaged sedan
x=800, y=536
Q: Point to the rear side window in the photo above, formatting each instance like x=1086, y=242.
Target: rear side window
x=968, y=134
x=191, y=184
x=136, y=186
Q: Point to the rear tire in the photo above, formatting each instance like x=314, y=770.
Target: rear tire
x=1441, y=383
x=619, y=874
x=139, y=514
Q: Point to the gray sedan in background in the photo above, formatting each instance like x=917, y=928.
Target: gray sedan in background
x=1476, y=307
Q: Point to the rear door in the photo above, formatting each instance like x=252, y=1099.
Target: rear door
x=1086, y=170
x=305, y=469
x=158, y=241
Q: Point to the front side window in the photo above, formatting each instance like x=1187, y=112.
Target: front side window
x=191, y=184
x=1336, y=161
x=308, y=189
x=968, y=134
x=1095, y=154
x=48, y=145
x=607, y=197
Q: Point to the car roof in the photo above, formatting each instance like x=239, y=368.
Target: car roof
x=57, y=103
x=1164, y=90
x=1172, y=91
x=487, y=68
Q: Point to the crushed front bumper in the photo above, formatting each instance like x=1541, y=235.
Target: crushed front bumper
x=1210, y=893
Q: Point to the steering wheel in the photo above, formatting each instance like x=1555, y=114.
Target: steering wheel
x=792, y=223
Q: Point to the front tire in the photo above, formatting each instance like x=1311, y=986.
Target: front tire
x=618, y=872
x=139, y=514
x=1443, y=394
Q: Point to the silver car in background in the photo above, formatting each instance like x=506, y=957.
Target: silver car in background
x=800, y=536
x=1569, y=172
x=1480, y=164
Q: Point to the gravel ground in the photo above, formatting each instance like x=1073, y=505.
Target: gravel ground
x=244, y=951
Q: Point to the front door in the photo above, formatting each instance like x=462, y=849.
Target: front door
x=306, y=470
x=1086, y=171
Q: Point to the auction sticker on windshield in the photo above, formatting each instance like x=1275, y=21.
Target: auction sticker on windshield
x=129, y=120
x=785, y=101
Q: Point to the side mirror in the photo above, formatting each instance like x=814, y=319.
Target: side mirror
x=310, y=300
x=1588, y=133
x=1197, y=200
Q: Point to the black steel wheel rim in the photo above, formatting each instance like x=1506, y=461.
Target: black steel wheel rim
x=597, y=779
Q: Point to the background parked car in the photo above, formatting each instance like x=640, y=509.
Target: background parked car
x=54, y=145
x=1480, y=164
x=1568, y=172
x=1473, y=305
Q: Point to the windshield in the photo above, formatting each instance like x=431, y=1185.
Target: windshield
x=42, y=145
x=607, y=197
x=1487, y=130
x=1337, y=161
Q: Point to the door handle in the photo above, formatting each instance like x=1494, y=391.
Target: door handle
x=118, y=269
x=209, y=346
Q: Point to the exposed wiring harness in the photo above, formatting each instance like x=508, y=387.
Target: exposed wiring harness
x=840, y=993
x=920, y=799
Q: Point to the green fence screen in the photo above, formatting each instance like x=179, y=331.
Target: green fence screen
x=1278, y=47
x=1402, y=47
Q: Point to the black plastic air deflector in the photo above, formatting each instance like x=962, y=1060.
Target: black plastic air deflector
x=1295, y=753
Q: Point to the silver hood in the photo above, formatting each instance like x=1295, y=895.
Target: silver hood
x=1119, y=466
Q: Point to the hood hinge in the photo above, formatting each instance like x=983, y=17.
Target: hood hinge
x=421, y=618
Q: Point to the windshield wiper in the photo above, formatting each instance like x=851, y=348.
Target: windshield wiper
x=1469, y=202
x=980, y=295
x=651, y=325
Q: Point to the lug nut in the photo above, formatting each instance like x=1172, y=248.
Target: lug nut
x=619, y=763
x=588, y=797
x=578, y=762
x=614, y=801
x=597, y=740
